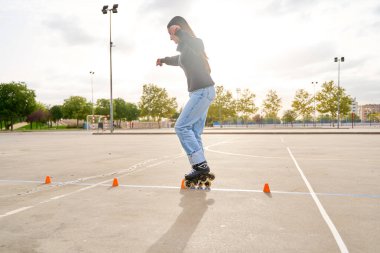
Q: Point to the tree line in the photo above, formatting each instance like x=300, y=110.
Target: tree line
x=18, y=103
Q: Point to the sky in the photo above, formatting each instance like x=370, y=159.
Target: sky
x=283, y=45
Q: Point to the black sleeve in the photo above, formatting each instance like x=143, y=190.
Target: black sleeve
x=171, y=60
x=195, y=43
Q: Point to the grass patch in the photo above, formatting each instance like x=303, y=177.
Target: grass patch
x=45, y=127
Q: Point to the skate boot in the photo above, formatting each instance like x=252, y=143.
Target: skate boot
x=199, y=176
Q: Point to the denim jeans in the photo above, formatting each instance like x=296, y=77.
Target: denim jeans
x=191, y=121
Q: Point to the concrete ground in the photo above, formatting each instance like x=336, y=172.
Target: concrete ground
x=325, y=194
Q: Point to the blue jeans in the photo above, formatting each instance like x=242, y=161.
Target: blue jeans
x=191, y=121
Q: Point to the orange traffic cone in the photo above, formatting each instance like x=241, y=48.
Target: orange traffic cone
x=183, y=184
x=47, y=180
x=266, y=188
x=115, y=182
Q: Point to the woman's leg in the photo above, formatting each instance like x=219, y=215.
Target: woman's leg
x=198, y=129
x=193, y=114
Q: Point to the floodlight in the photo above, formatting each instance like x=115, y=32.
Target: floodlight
x=114, y=8
x=104, y=10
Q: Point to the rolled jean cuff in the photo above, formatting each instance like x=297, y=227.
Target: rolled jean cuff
x=197, y=157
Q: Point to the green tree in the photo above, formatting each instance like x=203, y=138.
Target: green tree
x=156, y=103
x=223, y=106
x=271, y=106
x=16, y=101
x=132, y=112
x=303, y=104
x=56, y=113
x=246, y=105
x=257, y=119
x=373, y=117
x=328, y=100
x=102, y=107
x=76, y=107
x=289, y=117
x=120, y=110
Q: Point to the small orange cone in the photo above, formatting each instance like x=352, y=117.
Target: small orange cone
x=266, y=188
x=115, y=182
x=47, y=180
x=183, y=184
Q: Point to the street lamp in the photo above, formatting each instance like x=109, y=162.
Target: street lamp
x=92, y=91
x=338, y=60
x=315, y=119
x=104, y=11
x=237, y=105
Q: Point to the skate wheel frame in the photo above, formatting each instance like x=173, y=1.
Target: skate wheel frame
x=198, y=183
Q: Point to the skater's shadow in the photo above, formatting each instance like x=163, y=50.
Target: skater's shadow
x=194, y=205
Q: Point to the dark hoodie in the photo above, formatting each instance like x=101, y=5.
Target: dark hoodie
x=191, y=61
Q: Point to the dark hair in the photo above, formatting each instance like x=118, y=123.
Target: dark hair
x=180, y=21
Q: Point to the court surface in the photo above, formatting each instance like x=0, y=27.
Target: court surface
x=325, y=194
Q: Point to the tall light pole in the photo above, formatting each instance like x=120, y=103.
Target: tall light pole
x=104, y=11
x=315, y=119
x=237, y=104
x=92, y=91
x=338, y=60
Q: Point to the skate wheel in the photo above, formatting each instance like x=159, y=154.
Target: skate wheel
x=208, y=185
x=203, y=178
x=187, y=184
x=211, y=176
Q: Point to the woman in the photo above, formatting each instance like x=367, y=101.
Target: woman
x=191, y=121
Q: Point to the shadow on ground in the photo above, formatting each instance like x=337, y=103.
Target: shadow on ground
x=194, y=205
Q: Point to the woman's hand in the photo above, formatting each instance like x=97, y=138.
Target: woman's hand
x=158, y=62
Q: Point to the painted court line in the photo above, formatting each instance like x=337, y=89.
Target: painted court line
x=131, y=169
x=121, y=173
x=330, y=224
x=245, y=155
x=16, y=211
x=60, y=196
x=353, y=195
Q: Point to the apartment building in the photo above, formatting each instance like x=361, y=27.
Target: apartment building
x=365, y=110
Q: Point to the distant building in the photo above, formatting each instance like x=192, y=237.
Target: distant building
x=354, y=106
x=365, y=110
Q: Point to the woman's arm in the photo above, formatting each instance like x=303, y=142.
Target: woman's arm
x=173, y=61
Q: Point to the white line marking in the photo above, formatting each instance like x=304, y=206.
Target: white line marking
x=244, y=155
x=353, y=195
x=57, y=197
x=130, y=169
x=330, y=224
x=20, y=181
x=65, y=195
x=16, y=211
x=149, y=186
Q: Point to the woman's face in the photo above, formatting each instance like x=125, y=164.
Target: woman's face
x=174, y=38
x=172, y=30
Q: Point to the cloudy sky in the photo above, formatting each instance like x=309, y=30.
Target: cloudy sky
x=261, y=45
